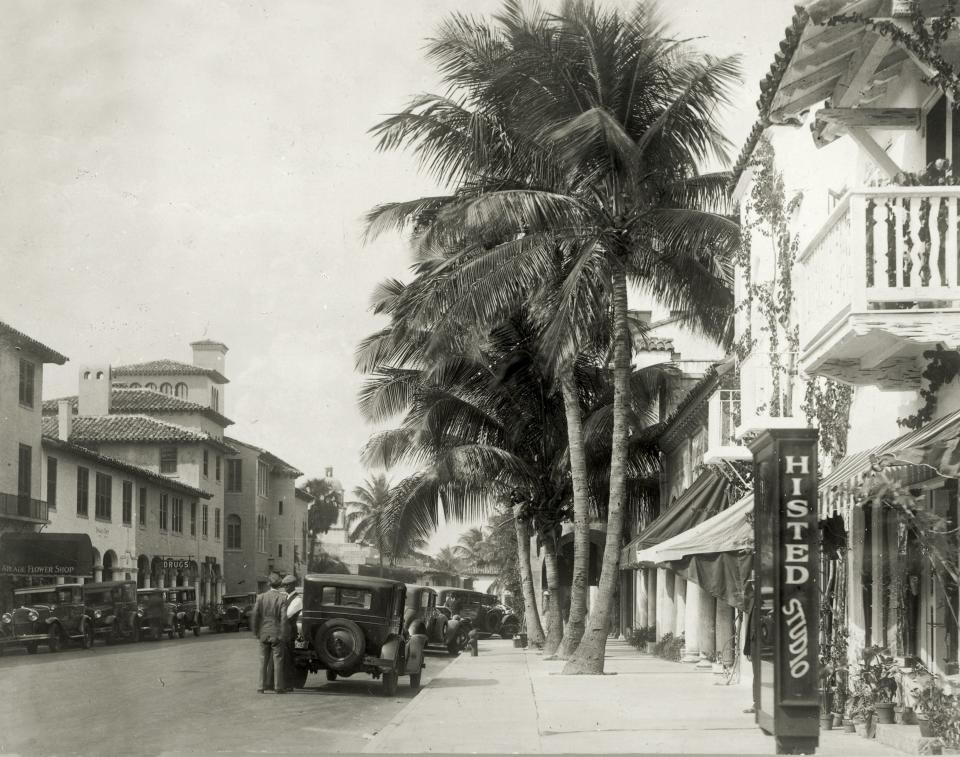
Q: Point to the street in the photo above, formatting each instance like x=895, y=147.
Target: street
x=182, y=695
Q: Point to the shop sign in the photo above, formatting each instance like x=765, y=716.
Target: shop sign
x=48, y=555
x=786, y=609
x=175, y=563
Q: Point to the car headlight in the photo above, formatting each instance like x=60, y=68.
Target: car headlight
x=33, y=617
x=299, y=627
x=6, y=618
x=97, y=613
x=139, y=613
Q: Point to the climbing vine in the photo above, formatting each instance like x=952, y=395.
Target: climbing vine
x=829, y=402
x=924, y=38
x=943, y=366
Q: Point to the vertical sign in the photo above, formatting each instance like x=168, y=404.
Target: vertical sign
x=786, y=607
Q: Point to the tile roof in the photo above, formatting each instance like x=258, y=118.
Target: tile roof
x=167, y=368
x=655, y=343
x=46, y=354
x=303, y=494
x=138, y=429
x=128, y=399
x=55, y=443
x=269, y=456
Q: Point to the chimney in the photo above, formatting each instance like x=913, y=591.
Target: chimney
x=328, y=473
x=64, y=420
x=95, y=386
x=210, y=355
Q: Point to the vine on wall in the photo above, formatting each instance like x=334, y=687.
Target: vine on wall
x=943, y=366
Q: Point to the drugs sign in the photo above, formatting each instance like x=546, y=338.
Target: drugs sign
x=786, y=609
x=174, y=563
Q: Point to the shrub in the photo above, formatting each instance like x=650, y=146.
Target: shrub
x=638, y=637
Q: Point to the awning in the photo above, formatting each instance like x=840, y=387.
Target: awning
x=46, y=555
x=724, y=575
x=704, y=497
x=728, y=531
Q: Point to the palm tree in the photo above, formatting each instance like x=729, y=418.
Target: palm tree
x=611, y=119
x=446, y=561
x=364, y=519
x=473, y=548
x=323, y=512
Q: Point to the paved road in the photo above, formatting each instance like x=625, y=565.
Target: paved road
x=189, y=695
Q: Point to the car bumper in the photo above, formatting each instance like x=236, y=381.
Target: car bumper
x=23, y=639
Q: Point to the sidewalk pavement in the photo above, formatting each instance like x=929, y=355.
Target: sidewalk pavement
x=510, y=700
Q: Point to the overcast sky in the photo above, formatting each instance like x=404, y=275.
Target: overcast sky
x=178, y=170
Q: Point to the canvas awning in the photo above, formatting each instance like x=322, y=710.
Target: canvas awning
x=704, y=497
x=46, y=555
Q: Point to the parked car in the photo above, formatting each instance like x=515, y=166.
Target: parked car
x=354, y=624
x=113, y=607
x=423, y=615
x=234, y=611
x=186, y=613
x=478, y=610
x=156, y=613
x=49, y=615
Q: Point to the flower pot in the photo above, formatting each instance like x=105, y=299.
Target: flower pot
x=826, y=722
x=849, y=726
x=837, y=720
x=884, y=712
x=926, y=727
x=651, y=647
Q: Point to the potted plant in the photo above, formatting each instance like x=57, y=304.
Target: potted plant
x=826, y=677
x=861, y=709
x=878, y=674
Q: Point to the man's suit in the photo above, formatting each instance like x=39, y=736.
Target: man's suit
x=268, y=627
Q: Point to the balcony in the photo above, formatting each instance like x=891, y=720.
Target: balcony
x=19, y=507
x=770, y=393
x=879, y=284
x=723, y=419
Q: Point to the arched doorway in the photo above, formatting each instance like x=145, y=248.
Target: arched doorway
x=143, y=572
x=109, y=564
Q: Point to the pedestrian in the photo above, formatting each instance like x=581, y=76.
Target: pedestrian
x=268, y=622
x=292, y=604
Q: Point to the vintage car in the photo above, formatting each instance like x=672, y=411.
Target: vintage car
x=187, y=616
x=354, y=624
x=48, y=615
x=483, y=612
x=422, y=615
x=113, y=607
x=156, y=613
x=234, y=611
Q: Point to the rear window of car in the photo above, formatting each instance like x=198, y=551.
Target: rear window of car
x=426, y=599
x=339, y=596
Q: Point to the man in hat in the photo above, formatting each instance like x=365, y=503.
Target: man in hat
x=268, y=624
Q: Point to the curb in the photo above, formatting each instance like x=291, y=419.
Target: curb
x=421, y=697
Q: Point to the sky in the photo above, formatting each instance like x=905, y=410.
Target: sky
x=180, y=170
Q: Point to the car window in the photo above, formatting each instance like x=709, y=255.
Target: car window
x=426, y=599
x=129, y=593
x=339, y=596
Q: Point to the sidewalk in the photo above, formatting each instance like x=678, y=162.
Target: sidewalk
x=512, y=701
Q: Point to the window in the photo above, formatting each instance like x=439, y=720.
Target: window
x=261, y=534
x=234, y=473
x=193, y=519
x=204, y=517
x=206, y=463
x=217, y=467
x=143, y=507
x=262, y=474
x=52, y=483
x=279, y=550
x=27, y=371
x=134, y=385
x=181, y=391
x=166, y=388
x=233, y=532
x=25, y=478
x=216, y=523
x=335, y=595
x=280, y=507
x=164, y=511
x=168, y=459
x=215, y=398
x=303, y=535
x=83, y=491
x=151, y=386
x=127, y=503
x=177, y=515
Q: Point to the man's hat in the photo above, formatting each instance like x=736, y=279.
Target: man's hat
x=274, y=580
x=288, y=580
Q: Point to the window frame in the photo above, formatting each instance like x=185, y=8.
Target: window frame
x=206, y=463
x=204, y=520
x=52, y=475
x=263, y=475
x=142, y=507
x=27, y=389
x=164, y=518
x=83, y=492
x=176, y=519
x=127, y=503
x=103, y=497
x=216, y=524
x=234, y=532
x=234, y=475
x=193, y=518
x=166, y=453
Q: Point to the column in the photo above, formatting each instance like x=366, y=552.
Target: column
x=60, y=580
x=724, y=623
x=680, y=605
x=691, y=623
x=708, y=629
x=652, y=597
x=97, y=575
x=161, y=580
x=146, y=580
x=665, y=603
x=640, y=599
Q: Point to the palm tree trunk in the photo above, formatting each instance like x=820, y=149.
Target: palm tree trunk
x=581, y=516
x=554, y=614
x=588, y=657
x=531, y=615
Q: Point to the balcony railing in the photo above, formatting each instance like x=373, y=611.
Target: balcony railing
x=21, y=507
x=771, y=392
x=724, y=418
x=882, y=251
x=729, y=416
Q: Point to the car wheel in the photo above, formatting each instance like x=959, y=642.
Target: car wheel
x=415, y=681
x=155, y=633
x=331, y=675
x=181, y=632
x=340, y=644
x=54, y=642
x=298, y=677
x=196, y=630
x=390, y=681
x=86, y=641
x=31, y=647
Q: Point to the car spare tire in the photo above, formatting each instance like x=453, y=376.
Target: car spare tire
x=340, y=644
